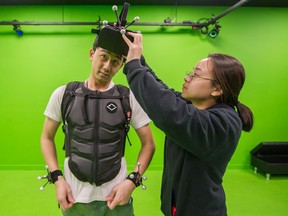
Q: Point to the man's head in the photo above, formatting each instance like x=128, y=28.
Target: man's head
x=105, y=65
x=107, y=54
x=109, y=49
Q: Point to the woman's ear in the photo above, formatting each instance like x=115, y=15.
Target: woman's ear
x=217, y=91
x=91, y=54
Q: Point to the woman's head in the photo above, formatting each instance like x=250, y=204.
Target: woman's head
x=218, y=78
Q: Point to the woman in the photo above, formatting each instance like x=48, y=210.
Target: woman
x=202, y=124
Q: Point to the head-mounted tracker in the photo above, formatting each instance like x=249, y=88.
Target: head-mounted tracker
x=110, y=36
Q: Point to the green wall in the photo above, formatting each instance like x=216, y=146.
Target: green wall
x=32, y=66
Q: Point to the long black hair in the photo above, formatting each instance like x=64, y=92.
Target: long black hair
x=230, y=75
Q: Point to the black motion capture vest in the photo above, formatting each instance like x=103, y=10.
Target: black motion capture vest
x=95, y=126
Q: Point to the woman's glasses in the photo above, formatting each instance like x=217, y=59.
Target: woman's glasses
x=192, y=75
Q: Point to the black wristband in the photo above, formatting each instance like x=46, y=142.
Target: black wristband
x=54, y=175
x=136, y=178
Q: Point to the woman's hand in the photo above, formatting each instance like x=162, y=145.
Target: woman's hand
x=135, y=48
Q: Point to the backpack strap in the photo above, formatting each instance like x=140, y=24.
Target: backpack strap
x=68, y=95
x=125, y=102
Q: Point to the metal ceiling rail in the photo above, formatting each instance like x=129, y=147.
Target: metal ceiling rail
x=197, y=24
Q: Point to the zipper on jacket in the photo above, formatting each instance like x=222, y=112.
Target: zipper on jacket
x=95, y=166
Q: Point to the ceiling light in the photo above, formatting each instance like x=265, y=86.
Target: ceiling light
x=17, y=28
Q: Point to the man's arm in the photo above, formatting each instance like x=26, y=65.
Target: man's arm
x=147, y=149
x=63, y=190
x=121, y=194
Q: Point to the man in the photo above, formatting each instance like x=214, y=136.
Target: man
x=95, y=169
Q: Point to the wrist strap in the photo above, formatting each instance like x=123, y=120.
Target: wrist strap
x=136, y=178
x=54, y=175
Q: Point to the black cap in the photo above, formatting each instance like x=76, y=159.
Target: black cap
x=110, y=38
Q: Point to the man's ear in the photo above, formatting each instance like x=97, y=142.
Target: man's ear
x=91, y=54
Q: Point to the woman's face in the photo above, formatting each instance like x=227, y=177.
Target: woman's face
x=199, y=85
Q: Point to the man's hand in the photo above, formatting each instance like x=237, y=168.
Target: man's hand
x=64, y=193
x=120, y=194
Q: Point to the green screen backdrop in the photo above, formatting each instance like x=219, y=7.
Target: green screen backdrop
x=32, y=66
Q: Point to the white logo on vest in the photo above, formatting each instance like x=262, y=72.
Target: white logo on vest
x=111, y=107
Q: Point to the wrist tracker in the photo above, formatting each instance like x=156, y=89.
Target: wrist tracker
x=54, y=175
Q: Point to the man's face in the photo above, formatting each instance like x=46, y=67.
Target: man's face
x=105, y=64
